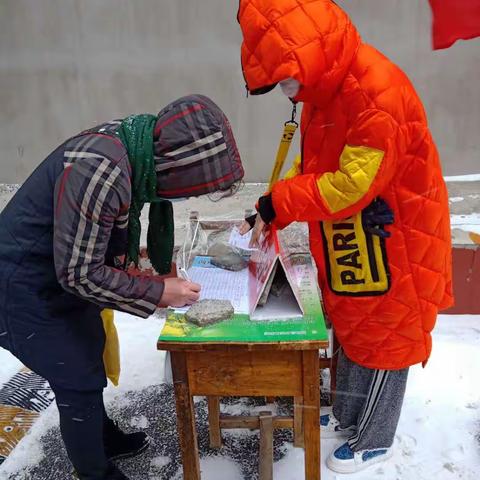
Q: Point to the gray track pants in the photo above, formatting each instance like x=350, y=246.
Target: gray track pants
x=369, y=400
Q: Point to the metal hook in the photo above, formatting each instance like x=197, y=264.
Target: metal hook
x=294, y=115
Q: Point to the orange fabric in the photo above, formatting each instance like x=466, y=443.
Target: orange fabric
x=354, y=96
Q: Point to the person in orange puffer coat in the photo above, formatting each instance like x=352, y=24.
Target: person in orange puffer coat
x=370, y=185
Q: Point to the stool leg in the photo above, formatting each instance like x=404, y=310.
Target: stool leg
x=214, y=422
x=187, y=433
x=266, y=446
x=311, y=414
x=298, y=440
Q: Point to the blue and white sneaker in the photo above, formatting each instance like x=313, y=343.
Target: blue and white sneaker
x=344, y=460
x=330, y=427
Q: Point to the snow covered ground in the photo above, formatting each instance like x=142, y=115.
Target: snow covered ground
x=438, y=436
x=439, y=432
x=473, y=177
x=466, y=223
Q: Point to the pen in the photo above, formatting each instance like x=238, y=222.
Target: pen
x=183, y=273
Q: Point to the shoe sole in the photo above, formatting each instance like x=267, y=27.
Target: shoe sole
x=357, y=468
x=123, y=456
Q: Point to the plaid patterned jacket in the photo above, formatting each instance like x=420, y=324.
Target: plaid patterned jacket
x=195, y=154
x=91, y=203
x=58, y=237
x=62, y=230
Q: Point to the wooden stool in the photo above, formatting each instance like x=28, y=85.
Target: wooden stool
x=286, y=369
x=217, y=422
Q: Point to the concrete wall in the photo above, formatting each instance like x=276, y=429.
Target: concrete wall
x=67, y=64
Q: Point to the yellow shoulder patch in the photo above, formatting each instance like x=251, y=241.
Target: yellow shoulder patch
x=357, y=171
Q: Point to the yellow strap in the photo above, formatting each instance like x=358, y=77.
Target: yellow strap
x=285, y=142
x=111, y=352
x=287, y=136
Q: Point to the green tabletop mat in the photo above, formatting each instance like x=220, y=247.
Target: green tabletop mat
x=241, y=329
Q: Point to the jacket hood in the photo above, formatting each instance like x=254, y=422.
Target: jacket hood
x=313, y=41
x=195, y=150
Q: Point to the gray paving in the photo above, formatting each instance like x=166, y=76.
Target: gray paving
x=469, y=192
x=234, y=207
x=153, y=411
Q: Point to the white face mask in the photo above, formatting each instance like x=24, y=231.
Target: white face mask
x=290, y=87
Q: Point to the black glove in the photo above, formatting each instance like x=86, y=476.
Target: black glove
x=376, y=216
x=265, y=210
x=251, y=220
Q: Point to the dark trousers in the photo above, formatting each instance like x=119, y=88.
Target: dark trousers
x=84, y=425
x=370, y=401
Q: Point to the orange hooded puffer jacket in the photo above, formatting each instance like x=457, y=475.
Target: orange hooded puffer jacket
x=364, y=137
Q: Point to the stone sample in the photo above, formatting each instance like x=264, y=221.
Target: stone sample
x=226, y=257
x=208, y=312
x=220, y=250
x=218, y=237
x=233, y=262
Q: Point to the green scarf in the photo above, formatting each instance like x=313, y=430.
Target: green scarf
x=136, y=134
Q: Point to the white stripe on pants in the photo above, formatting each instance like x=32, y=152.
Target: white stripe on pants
x=369, y=400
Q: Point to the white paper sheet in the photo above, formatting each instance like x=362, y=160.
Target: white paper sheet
x=240, y=241
x=219, y=284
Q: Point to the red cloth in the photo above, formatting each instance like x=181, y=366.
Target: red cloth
x=454, y=20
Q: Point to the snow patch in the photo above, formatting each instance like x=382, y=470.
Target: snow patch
x=456, y=199
x=141, y=364
x=438, y=435
x=139, y=422
x=216, y=468
x=159, y=462
x=474, y=177
x=9, y=366
x=468, y=223
x=471, y=218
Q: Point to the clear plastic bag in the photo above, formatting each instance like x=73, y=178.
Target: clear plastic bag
x=211, y=236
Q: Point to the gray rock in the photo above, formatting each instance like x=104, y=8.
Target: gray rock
x=220, y=249
x=232, y=261
x=218, y=237
x=208, y=312
x=226, y=257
